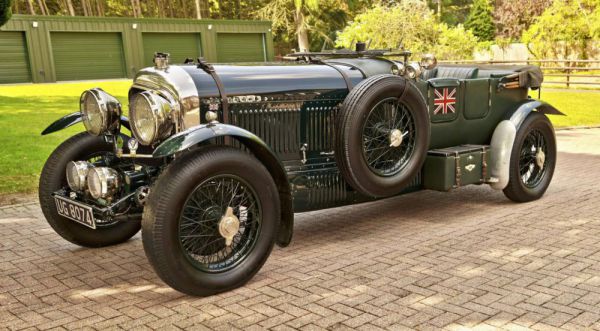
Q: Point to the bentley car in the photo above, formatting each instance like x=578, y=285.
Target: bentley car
x=213, y=161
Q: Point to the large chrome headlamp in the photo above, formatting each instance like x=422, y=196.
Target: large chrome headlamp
x=150, y=117
x=100, y=112
x=103, y=183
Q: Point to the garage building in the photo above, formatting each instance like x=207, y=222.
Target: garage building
x=44, y=49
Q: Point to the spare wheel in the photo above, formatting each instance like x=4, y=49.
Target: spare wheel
x=382, y=135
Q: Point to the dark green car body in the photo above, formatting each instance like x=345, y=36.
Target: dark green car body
x=286, y=114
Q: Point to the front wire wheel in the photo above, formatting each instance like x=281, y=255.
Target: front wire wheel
x=533, y=159
x=211, y=220
x=82, y=146
x=219, y=223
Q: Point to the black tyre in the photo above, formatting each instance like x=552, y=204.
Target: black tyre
x=82, y=146
x=532, y=160
x=383, y=133
x=211, y=221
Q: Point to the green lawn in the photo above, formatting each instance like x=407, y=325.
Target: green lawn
x=25, y=110
x=580, y=107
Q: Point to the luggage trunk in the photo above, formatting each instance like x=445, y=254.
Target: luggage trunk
x=457, y=166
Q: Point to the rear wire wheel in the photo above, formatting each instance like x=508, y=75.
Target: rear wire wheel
x=533, y=159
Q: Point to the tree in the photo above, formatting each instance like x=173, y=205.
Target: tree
x=514, y=17
x=411, y=24
x=480, y=20
x=295, y=16
x=451, y=12
x=454, y=43
x=564, y=30
x=408, y=23
x=5, y=11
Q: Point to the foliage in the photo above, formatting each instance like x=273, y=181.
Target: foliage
x=550, y=37
x=452, y=12
x=411, y=24
x=480, y=20
x=408, y=23
x=454, y=43
x=514, y=17
x=296, y=19
x=5, y=11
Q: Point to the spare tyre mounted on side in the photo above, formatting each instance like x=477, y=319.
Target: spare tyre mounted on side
x=382, y=134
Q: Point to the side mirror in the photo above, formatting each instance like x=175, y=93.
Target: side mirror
x=428, y=62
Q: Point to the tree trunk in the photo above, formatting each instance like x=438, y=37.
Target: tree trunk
x=134, y=9
x=198, y=10
x=84, y=7
x=70, y=7
x=45, y=7
x=30, y=6
x=301, y=31
x=41, y=5
x=100, y=7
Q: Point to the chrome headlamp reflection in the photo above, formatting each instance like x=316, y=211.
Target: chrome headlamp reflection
x=77, y=172
x=103, y=183
x=150, y=117
x=100, y=112
x=428, y=62
x=413, y=70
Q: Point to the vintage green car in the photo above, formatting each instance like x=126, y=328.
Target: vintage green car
x=223, y=156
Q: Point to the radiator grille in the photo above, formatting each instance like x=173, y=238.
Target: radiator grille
x=278, y=124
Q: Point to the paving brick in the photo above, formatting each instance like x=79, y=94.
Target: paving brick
x=467, y=259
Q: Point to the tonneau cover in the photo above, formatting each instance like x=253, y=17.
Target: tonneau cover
x=529, y=75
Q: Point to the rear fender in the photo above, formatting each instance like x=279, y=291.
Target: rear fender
x=504, y=139
x=72, y=119
x=207, y=132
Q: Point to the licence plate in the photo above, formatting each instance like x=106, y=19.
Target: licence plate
x=75, y=211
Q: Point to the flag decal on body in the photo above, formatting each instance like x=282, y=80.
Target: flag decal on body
x=445, y=101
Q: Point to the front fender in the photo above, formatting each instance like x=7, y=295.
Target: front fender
x=202, y=133
x=72, y=119
x=504, y=139
x=207, y=132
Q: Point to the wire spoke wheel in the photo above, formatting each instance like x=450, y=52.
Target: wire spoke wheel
x=532, y=161
x=388, y=137
x=219, y=224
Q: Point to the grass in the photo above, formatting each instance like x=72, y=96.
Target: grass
x=581, y=107
x=25, y=110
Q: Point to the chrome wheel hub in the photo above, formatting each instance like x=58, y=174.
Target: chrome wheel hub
x=396, y=137
x=540, y=158
x=229, y=225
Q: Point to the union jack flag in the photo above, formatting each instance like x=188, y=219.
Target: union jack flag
x=444, y=101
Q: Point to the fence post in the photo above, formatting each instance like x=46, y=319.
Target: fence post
x=568, y=77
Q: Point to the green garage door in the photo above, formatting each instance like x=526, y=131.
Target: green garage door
x=88, y=55
x=179, y=45
x=14, y=63
x=240, y=47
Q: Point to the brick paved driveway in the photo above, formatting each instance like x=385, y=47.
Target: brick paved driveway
x=428, y=260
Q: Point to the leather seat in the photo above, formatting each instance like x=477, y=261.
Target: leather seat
x=451, y=72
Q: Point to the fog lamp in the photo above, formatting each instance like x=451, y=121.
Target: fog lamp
x=77, y=174
x=103, y=183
